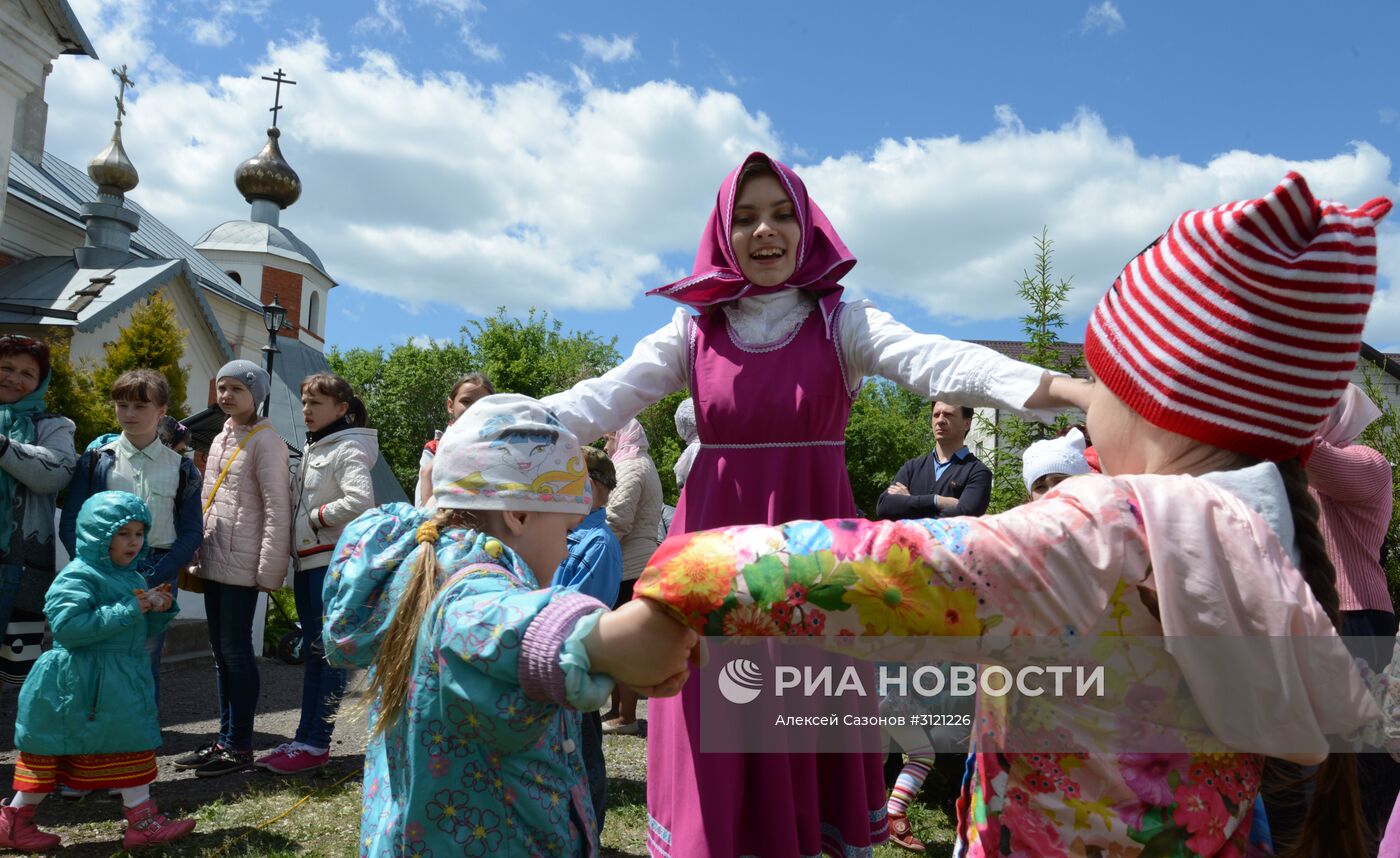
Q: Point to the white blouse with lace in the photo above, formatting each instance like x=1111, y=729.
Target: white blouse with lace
x=872, y=343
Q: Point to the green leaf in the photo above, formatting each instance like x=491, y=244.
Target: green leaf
x=1153, y=822
x=714, y=623
x=766, y=580
x=830, y=594
x=1170, y=842
x=828, y=597
x=803, y=569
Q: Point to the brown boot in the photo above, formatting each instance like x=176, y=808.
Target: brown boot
x=18, y=831
x=902, y=833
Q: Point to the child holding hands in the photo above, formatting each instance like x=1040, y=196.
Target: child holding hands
x=474, y=658
x=87, y=713
x=1219, y=354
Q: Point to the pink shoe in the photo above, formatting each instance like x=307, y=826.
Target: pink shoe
x=147, y=826
x=18, y=831
x=295, y=761
x=276, y=755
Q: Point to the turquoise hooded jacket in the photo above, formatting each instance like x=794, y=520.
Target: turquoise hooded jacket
x=93, y=693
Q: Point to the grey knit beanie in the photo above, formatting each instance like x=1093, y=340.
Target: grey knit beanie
x=250, y=375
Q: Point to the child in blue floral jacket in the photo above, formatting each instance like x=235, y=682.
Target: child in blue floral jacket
x=474, y=658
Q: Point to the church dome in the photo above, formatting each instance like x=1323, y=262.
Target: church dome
x=268, y=176
x=111, y=169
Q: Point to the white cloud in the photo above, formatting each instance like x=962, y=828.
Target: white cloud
x=541, y=192
x=219, y=28
x=946, y=223
x=605, y=49
x=484, y=51
x=211, y=32
x=436, y=188
x=384, y=20
x=1104, y=16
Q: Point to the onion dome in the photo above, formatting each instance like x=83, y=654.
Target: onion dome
x=111, y=169
x=268, y=176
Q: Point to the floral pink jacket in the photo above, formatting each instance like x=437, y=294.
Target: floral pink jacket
x=1101, y=557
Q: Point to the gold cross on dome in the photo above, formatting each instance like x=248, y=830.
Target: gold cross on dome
x=120, y=75
x=278, y=77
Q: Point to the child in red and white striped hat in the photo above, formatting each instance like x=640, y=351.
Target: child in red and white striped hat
x=1219, y=353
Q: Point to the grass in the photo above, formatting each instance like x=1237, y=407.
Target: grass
x=625, y=831
x=239, y=825
x=265, y=820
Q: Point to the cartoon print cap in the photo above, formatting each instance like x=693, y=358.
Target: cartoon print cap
x=510, y=452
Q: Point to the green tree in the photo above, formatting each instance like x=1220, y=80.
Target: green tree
x=1045, y=298
x=1384, y=436
x=405, y=390
x=888, y=426
x=72, y=391
x=152, y=339
x=534, y=355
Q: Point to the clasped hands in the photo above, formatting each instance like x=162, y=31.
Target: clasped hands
x=643, y=647
x=154, y=600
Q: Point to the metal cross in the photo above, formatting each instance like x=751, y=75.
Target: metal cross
x=120, y=75
x=279, y=78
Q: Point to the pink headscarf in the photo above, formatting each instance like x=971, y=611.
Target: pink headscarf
x=629, y=443
x=822, y=258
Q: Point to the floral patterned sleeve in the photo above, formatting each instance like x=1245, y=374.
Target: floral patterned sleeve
x=499, y=666
x=1046, y=568
x=497, y=656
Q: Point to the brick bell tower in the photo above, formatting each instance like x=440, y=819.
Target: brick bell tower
x=268, y=259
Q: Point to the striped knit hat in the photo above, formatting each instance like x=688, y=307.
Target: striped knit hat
x=1241, y=325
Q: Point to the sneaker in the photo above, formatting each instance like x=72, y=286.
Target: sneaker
x=622, y=728
x=197, y=757
x=147, y=826
x=67, y=793
x=225, y=762
x=273, y=756
x=18, y=831
x=902, y=833
x=296, y=761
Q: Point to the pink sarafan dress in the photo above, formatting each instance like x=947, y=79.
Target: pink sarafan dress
x=779, y=460
x=771, y=411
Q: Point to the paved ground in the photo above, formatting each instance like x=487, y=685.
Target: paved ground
x=189, y=718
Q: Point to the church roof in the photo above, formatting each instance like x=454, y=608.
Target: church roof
x=254, y=237
x=53, y=290
x=61, y=189
x=66, y=27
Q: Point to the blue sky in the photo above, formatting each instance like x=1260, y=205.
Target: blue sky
x=564, y=155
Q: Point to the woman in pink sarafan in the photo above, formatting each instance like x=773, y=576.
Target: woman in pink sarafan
x=1218, y=355
x=773, y=359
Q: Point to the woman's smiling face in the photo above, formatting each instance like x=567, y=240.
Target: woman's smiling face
x=765, y=232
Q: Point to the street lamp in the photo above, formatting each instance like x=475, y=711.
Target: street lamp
x=274, y=315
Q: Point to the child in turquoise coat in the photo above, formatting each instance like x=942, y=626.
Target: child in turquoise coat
x=87, y=714
x=475, y=660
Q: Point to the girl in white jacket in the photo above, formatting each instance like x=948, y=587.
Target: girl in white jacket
x=331, y=489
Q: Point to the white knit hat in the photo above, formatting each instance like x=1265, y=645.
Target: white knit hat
x=510, y=452
x=1063, y=455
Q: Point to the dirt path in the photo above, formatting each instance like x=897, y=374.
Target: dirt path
x=189, y=718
